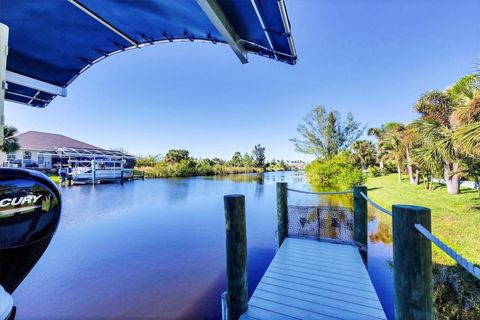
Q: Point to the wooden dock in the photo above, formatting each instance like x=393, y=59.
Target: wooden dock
x=310, y=279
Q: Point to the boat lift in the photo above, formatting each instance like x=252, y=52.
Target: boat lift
x=97, y=171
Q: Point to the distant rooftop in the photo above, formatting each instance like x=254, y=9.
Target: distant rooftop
x=44, y=141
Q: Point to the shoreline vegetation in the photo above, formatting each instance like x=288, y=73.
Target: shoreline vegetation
x=442, y=142
x=177, y=163
x=179, y=171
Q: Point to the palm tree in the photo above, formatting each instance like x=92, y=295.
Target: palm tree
x=466, y=97
x=364, y=153
x=10, y=143
x=410, y=140
x=378, y=133
x=392, y=142
x=435, y=129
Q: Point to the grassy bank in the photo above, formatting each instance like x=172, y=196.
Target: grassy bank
x=456, y=221
x=455, y=218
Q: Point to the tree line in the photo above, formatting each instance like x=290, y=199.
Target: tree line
x=443, y=142
x=179, y=163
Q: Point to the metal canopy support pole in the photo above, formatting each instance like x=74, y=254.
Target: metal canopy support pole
x=218, y=18
x=104, y=22
x=36, y=84
x=3, y=76
x=286, y=25
x=267, y=35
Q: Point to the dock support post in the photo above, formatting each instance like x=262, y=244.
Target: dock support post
x=412, y=263
x=93, y=171
x=282, y=212
x=236, y=233
x=360, y=215
x=3, y=75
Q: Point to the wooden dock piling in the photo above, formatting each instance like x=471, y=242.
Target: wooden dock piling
x=360, y=215
x=93, y=171
x=236, y=234
x=412, y=259
x=282, y=212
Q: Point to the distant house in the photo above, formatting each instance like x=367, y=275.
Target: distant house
x=49, y=151
x=297, y=165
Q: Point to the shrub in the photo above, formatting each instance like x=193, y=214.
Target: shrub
x=337, y=173
x=389, y=167
x=374, y=171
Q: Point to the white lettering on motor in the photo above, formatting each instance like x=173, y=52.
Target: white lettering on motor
x=29, y=199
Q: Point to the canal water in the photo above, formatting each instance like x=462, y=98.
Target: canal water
x=156, y=249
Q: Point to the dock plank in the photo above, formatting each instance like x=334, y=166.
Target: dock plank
x=309, y=279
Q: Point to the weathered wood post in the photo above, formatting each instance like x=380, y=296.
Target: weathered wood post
x=412, y=263
x=237, y=283
x=360, y=215
x=282, y=212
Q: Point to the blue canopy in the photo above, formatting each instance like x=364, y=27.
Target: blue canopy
x=51, y=42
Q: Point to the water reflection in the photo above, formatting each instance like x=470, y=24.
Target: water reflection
x=156, y=248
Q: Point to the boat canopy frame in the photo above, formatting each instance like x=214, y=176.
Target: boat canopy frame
x=64, y=152
x=46, y=54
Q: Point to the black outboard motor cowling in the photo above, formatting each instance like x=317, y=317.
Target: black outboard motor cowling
x=30, y=207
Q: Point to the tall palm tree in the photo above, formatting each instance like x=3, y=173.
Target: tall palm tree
x=392, y=142
x=10, y=143
x=378, y=133
x=410, y=140
x=466, y=97
x=435, y=128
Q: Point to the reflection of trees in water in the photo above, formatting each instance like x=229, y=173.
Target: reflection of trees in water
x=259, y=188
x=383, y=233
x=177, y=189
x=247, y=177
x=383, y=230
x=336, y=200
x=456, y=293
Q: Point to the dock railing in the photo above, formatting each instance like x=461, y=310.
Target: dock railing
x=334, y=222
x=412, y=247
x=412, y=259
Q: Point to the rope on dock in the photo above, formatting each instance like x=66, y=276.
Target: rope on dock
x=375, y=205
x=470, y=267
x=320, y=193
x=353, y=243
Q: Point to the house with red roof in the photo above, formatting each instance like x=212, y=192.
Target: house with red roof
x=50, y=151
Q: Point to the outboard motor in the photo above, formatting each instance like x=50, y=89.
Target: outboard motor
x=30, y=208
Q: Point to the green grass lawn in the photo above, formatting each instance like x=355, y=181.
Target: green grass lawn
x=455, y=218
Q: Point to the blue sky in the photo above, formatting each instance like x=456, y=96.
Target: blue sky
x=371, y=58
